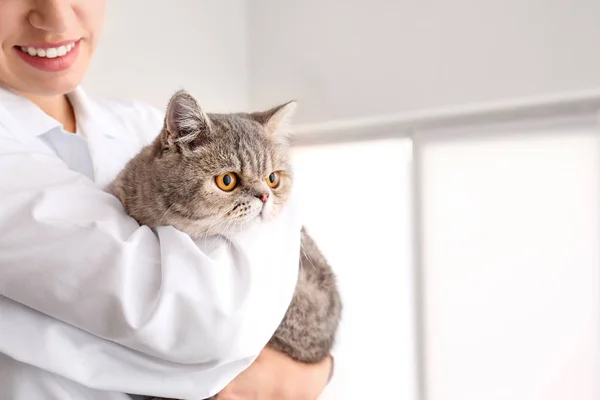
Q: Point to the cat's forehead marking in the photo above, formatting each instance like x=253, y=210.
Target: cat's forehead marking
x=252, y=150
x=242, y=146
x=253, y=154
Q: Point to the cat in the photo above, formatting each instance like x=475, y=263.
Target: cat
x=208, y=173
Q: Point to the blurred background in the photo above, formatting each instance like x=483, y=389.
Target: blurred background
x=448, y=157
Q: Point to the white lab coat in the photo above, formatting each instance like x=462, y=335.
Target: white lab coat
x=92, y=305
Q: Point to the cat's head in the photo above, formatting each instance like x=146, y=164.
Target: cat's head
x=219, y=172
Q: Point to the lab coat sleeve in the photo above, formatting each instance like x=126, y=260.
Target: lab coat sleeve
x=70, y=255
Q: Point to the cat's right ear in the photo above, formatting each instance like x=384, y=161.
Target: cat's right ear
x=185, y=122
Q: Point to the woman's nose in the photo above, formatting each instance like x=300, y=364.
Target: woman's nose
x=52, y=16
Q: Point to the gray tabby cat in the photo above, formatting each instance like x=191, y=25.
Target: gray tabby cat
x=207, y=174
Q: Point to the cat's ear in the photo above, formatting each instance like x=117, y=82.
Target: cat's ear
x=277, y=120
x=185, y=121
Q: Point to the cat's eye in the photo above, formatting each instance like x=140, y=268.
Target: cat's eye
x=273, y=180
x=227, y=181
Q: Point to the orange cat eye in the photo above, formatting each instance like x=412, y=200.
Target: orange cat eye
x=227, y=181
x=273, y=180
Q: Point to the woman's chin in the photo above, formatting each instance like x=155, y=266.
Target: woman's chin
x=46, y=88
x=46, y=84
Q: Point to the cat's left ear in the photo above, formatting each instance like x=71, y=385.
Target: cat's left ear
x=185, y=121
x=277, y=120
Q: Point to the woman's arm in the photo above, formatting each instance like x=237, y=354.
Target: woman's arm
x=67, y=250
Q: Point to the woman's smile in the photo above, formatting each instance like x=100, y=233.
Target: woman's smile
x=50, y=57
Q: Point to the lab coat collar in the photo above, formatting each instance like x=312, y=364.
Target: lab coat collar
x=33, y=121
x=110, y=144
x=90, y=115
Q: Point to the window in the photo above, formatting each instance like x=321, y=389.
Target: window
x=510, y=255
x=486, y=285
x=356, y=204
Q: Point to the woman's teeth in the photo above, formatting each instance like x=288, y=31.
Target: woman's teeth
x=50, y=52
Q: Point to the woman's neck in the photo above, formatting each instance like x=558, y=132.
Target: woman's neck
x=58, y=107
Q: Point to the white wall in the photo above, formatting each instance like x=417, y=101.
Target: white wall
x=152, y=48
x=362, y=58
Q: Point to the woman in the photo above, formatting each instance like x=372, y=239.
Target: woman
x=92, y=305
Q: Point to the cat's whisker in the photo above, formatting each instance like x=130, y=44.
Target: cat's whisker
x=216, y=236
x=224, y=230
x=213, y=225
x=306, y=256
x=208, y=228
x=165, y=214
x=217, y=220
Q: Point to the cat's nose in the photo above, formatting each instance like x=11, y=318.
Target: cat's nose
x=263, y=196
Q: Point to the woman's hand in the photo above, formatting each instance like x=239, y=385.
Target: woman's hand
x=275, y=376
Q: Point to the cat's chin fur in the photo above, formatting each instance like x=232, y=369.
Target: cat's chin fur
x=199, y=229
x=204, y=228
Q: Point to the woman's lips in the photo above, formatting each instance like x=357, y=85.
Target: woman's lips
x=50, y=57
